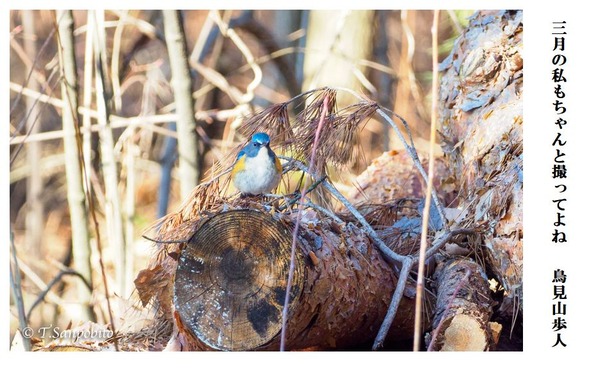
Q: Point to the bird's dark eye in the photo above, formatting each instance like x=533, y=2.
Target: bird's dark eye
x=256, y=144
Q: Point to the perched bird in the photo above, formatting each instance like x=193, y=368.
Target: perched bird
x=257, y=170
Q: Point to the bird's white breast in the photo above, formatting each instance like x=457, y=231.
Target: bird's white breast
x=259, y=175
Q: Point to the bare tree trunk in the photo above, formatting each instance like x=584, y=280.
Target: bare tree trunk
x=35, y=209
x=336, y=41
x=73, y=161
x=181, y=81
x=130, y=163
x=88, y=90
x=114, y=220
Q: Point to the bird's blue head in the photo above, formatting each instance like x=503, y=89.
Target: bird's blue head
x=260, y=139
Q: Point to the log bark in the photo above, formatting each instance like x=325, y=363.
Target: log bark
x=481, y=113
x=227, y=284
x=463, y=308
x=392, y=176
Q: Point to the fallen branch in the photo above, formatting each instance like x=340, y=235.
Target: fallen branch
x=463, y=308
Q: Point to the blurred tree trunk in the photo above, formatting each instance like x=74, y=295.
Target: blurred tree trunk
x=409, y=95
x=181, y=82
x=383, y=80
x=76, y=195
x=273, y=34
x=287, y=22
x=336, y=41
x=35, y=207
x=114, y=219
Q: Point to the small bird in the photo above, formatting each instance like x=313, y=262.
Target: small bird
x=257, y=170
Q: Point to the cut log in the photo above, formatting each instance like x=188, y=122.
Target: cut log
x=463, y=309
x=230, y=279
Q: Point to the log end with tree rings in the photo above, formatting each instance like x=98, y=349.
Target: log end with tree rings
x=230, y=286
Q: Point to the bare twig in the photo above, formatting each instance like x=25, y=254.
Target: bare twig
x=145, y=27
x=219, y=81
x=394, y=304
x=297, y=197
x=92, y=209
x=165, y=241
x=35, y=213
x=88, y=73
x=401, y=285
x=15, y=285
x=276, y=54
x=437, y=245
x=130, y=159
x=266, y=39
x=116, y=82
x=210, y=36
x=40, y=298
x=425, y=222
x=409, y=71
x=41, y=97
x=201, y=46
x=28, y=121
x=39, y=283
x=288, y=288
x=102, y=266
x=409, y=148
x=118, y=122
x=388, y=253
x=323, y=210
x=412, y=152
x=47, y=166
x=228, y=32
x=32, y=68
x=207, y=38
x=114, y=217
